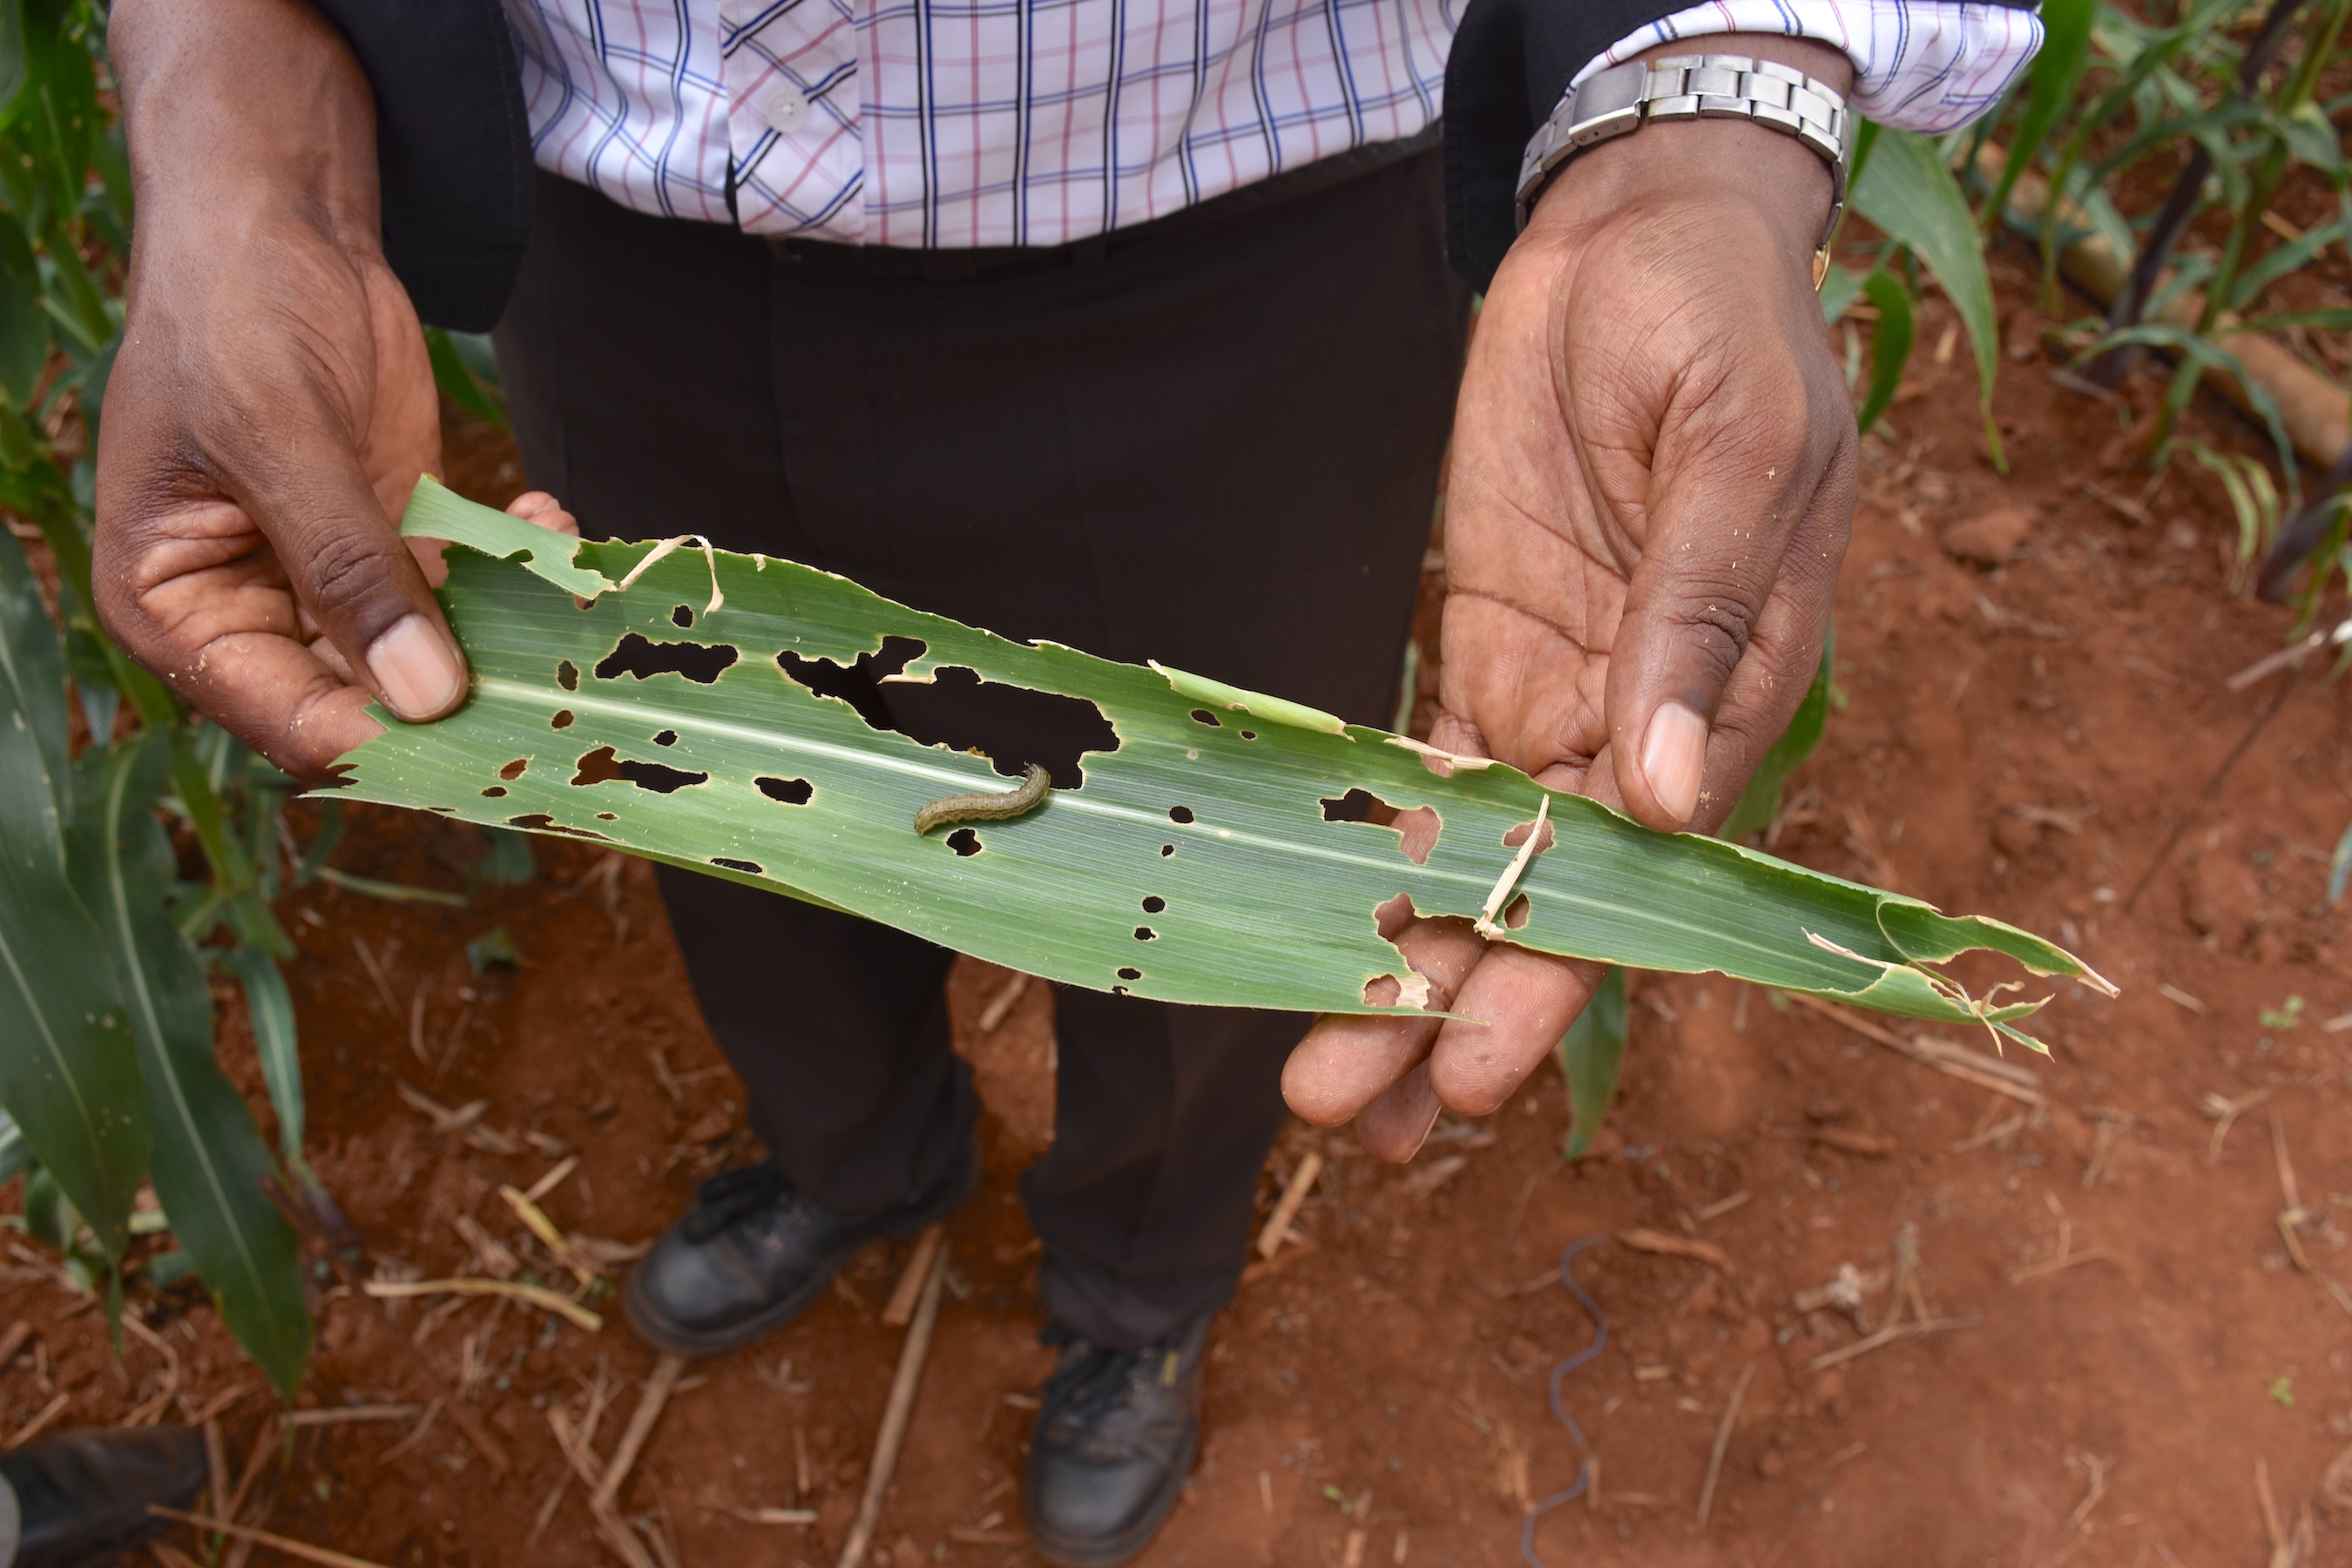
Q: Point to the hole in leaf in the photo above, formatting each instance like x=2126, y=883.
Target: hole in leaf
x=606, y=816
x=964, y=841
x=1408, y=987
x=513, y=769
x=660, y=779
x=1393, y=916
x=1145, y=933
x=667, y=738
x=1249, y=734
x=1011, y=725
x=1154, y=904
x=633, y=655
x=1516, y=915
x=1518, y=836
x=539, y=822
x=1202, y=716
x=601, y=766
x=681, y=616
x=495, y=791
x=562, y=720
x=1130, y=975
x=1416, y=828
x=751, y=865
x=1179, y=814
x=791, y=792
x=1166, y=850
x=567, y=676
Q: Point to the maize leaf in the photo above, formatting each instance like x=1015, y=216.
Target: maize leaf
x=1197, y=861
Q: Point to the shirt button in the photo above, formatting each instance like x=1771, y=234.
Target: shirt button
x=785, y=110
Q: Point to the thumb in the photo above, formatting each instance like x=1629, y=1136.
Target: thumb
x=358, y=579
x=1724, y=565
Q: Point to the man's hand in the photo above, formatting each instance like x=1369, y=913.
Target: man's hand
x=1653, y=480
x=272, y=404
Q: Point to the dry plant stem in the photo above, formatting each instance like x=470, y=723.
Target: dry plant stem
x=803, y=1516
x=547, y=1510
x=2098, y=1490
x=554, y=1178
x=895, y=1417
x=2225, y=1114
x=1954, y=1061
x=1886, y=1336
x=609, y=1523
x=416, y=1433
x=2294, y=1216
x=40, y=1424
x=537, y=1296
x=901, y=1306
x=1722, y=1442
x=301, y=1548
x=2293, y=684
x=664, y=1377
x=1665, y=1244
x=263, y=1446
x=1293, y=1192
x=13, y=1340
x=1002, y=1003
x=350, y=1414
x=551, y=1236
x=216, y=1467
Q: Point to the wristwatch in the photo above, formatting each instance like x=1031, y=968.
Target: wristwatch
x=1697, y=87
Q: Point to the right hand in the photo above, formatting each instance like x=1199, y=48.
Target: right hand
x=272, y=404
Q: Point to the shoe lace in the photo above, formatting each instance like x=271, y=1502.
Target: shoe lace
x=1090, y=1379
x=731, y=1195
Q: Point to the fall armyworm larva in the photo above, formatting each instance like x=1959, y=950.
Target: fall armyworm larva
x=1035, y=784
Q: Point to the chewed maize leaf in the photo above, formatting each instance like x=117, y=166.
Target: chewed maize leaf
x=1218, y=846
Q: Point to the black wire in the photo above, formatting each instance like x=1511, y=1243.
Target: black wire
x=1599, y=1341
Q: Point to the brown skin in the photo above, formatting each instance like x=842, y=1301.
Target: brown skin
x=272, y=405
x=1653, y=477
x=1653, y=480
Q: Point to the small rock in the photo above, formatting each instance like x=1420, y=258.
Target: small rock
x=1524, y=1351
x=1771, y=1465
x=1989, y=539
x=715, y=1125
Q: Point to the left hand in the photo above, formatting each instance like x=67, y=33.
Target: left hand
x=1653, y=480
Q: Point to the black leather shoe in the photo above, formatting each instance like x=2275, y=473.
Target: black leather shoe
x=1114, y=1440
x=82, y=1498
x=752, y=1254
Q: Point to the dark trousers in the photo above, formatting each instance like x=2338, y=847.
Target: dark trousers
x=1212, y=440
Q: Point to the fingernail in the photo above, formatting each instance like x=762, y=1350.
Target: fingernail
x=415, y=672
x=1673, y=757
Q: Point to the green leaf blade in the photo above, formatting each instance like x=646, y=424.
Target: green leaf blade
x=209, y=1165
x=1196, y=862
x=1909, y=193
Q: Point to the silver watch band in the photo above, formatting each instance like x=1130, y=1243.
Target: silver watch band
x=1695, y=87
